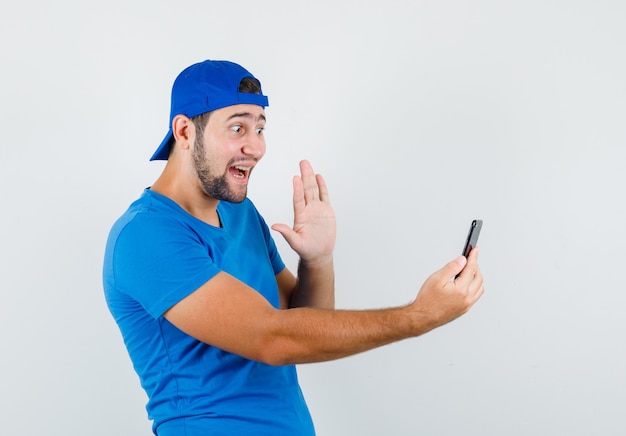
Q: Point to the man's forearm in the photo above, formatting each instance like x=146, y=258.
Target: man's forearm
x=305, y=335
x=315, y=286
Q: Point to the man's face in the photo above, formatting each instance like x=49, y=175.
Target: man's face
x=230, y=146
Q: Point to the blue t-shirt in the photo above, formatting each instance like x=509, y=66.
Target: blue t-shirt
x=156, y=255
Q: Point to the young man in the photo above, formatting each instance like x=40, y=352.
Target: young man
x=213, y=321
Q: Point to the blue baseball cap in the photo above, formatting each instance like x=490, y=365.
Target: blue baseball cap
x=204, y=87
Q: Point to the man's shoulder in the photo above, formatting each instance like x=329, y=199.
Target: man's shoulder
x=148, y=216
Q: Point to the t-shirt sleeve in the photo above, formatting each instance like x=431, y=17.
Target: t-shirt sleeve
x=158, y=261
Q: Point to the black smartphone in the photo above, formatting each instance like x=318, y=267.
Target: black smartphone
x=472, y=238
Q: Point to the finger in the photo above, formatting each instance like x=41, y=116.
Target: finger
x=472, y=260
x=298, y=195
x=477, y=279
x=321, y=183
x=311, y=190
x=478, y=283
x=471, y=266
x=476, y=288
x=290, y=236
x=473, y=255
x=452, y=268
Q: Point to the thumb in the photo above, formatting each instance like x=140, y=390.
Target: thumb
x=287, y=233
x=452, y=268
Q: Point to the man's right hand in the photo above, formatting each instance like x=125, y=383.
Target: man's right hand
x=443, y=299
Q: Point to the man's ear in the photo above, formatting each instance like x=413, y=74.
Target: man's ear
x=184, y=131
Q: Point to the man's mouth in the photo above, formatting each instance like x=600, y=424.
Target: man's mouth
x=240, y=172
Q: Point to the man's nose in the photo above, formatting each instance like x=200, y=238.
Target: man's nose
x=254, y=145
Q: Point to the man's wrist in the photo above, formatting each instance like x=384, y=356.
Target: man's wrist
x=317, y=263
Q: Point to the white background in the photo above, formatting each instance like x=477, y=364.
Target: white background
x=422, y=115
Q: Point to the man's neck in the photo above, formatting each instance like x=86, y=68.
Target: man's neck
x=188, y=195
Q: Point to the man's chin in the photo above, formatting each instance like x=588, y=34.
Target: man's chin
x=232, y=197
x=235, y=200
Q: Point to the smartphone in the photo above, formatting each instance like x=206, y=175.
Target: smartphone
x=472, y=238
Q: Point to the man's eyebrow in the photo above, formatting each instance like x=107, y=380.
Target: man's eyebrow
x=261, y=117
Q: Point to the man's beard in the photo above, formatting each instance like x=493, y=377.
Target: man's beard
x=212, y=185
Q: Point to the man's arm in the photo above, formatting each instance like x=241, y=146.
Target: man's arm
x=314, y=287
x=313, y=238
x=228, y=314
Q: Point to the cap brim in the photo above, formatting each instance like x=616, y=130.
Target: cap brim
x=163, y=152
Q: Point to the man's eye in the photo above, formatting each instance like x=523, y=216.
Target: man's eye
x=236, y=129
x=259, y=130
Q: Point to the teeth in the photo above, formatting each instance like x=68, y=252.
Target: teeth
x=242, y=171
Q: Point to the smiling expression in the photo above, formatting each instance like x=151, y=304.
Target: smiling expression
x=227, y=149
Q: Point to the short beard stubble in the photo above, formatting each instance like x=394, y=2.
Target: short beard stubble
x=214, y=186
